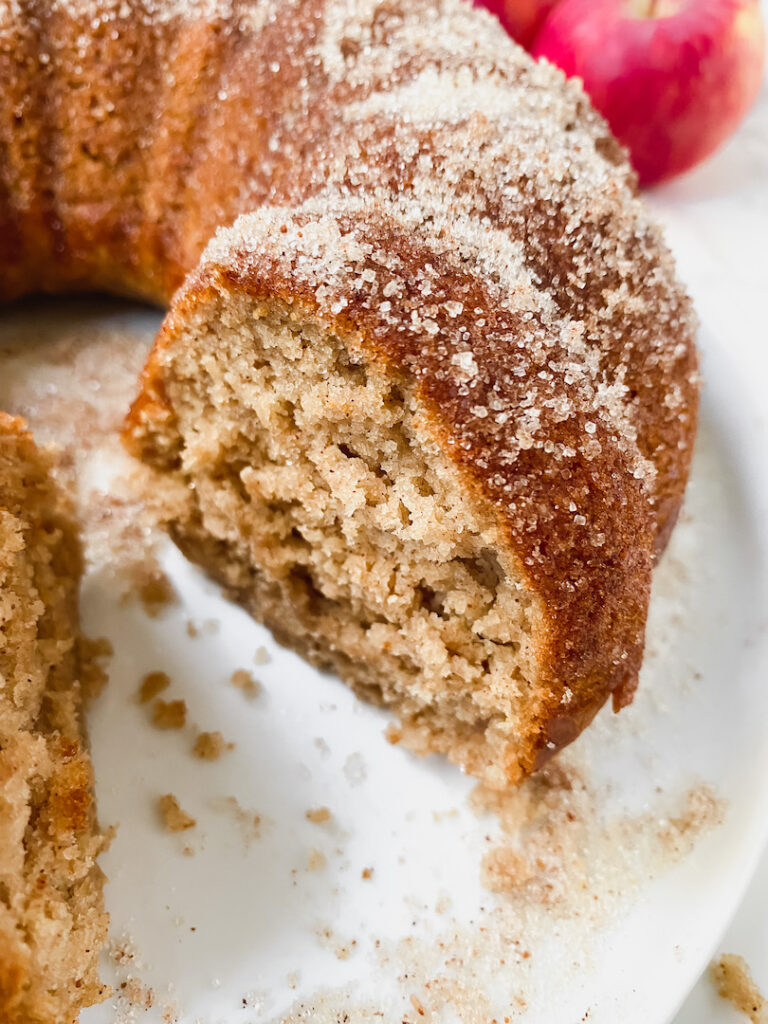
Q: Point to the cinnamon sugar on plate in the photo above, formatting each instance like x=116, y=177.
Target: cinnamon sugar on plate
x=733, y=980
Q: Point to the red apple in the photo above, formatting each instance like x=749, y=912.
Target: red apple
x=673, y=78
x=521, y=18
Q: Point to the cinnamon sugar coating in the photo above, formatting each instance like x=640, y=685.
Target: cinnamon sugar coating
x=416, y=185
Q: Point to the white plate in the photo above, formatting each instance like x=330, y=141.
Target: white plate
x=245, y=930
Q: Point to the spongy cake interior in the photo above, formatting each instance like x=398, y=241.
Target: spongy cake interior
x=52, y=920
x=309, y=485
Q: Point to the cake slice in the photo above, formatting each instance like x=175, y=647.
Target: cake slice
x=349, y=429
x=52, y=919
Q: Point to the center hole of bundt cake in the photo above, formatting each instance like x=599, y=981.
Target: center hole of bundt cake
x=320, y=500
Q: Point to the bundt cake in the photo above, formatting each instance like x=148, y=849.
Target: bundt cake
x=428, y=408
x=52, y=920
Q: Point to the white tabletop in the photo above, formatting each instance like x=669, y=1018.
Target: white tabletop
x=716, y=220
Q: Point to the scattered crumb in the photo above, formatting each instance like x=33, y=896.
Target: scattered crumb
x=367, y=873
x=207, y=626
x=209, y=746
x=249, y=822
x=174, y=819
x=243, y=680
x=156, y=592
x=171, y=714
x=344, y=952
x=123, y=952
x=316, y=860
x=262, y=656
x=293, y=979
x=91, y=653
x=342, y=948
x=733, y=980
x=136, y=994
x=393, y=734
x=152, y=684
x=318, y=815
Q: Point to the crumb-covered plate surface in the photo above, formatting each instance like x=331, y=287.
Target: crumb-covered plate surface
x=277, y=859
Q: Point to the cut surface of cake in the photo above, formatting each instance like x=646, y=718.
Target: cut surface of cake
x=52, y=919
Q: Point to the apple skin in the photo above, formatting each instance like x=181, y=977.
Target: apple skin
x=673, y=78
x=521, y=18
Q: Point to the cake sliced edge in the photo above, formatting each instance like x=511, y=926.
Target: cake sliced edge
x=52, y=919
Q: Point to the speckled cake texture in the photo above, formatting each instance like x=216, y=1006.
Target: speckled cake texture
x=449, y=218
x=52, y=919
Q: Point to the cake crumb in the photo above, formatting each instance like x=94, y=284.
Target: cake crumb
x=152, y=684
x=262, y=656
x=367, y=873
x=393, y=734
x=137, y=994
x=91, y=653
x=209, y=746
x=732, y=979
x=174, y=819
x=123, y=952
x=318, y=815
x=316, y=860
x=171, y=714
x=156, y=592
x=244, y=681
